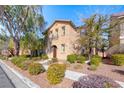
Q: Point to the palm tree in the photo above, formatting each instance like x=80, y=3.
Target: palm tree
x=86, y=40
x=96, y=27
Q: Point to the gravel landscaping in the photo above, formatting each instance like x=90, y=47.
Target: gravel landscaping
x=105, y=69
x=41, y=79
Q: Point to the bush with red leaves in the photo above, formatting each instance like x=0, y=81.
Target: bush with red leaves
x=95, y=81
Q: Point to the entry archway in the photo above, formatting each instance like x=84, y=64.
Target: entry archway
x=54, y=48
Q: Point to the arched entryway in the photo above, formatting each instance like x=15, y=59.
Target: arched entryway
x=54, y=48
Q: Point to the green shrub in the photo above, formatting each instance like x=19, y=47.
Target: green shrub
x=44, y=56
x=81, y=59
x=107, y=85
x=95, y=60
x=55, y=73
x=18, y=60
x=93, y=67
x=36, y=68
x=118, y=59
x=3, y=57
x=24, y=56
x=24, y=65
x=36, y=58
x=96, y=56
x=72, y=58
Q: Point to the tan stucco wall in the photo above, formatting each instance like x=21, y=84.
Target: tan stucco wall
x=68, y=39
x=122, y=41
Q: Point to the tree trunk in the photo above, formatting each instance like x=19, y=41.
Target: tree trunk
x=96, y=48
x=11, y=51
x=90, y=53
x=16, y=46
x=103, y=52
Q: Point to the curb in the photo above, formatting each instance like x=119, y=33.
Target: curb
x=120, y=83
x=24, y=79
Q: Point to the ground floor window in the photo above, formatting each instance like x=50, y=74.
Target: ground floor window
x=63, y=47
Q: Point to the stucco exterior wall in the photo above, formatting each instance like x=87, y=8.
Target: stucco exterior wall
x=69, y=40
x=117, y=33
x=122, y=40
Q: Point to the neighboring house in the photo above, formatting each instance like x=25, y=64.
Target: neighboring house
x=62, y=39
x=116, y=39
x=117, y=33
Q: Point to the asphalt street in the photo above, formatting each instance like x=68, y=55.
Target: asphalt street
x=5, y=82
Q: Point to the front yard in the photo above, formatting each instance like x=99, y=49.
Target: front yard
x=115, y=73
x=111, y=71
x=41, y=79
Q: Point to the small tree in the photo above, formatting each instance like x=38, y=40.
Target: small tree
x=19, y=19
x=32, y=42
x=96, y=33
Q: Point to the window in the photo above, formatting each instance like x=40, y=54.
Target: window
x=82, y=32
x=63, y=28
x=52, y=36
x=122, y=29
x=63, y=47
x=57, y=33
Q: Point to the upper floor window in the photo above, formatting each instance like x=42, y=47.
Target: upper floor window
x=51, y=35
x=63, y=29
x=57, y=33
x=82, y=32
x=122, y=29
x=63, y=47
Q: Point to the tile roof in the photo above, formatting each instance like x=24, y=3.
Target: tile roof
x=118, y=14
x=60, y=20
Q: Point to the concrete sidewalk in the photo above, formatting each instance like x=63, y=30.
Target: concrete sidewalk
x=76, y=75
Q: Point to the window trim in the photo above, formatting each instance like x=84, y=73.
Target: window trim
x=63, y=47
x=57, y=34
x=63, y=29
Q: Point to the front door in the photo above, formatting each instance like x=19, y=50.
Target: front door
x=54, y=52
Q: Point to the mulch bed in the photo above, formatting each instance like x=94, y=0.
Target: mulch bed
x=41, y=79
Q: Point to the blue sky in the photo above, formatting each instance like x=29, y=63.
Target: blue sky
x=77, y=12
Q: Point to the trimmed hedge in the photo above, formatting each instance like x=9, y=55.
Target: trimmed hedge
x=18, y=61
x=25, y=65
x=95, y=60
x=35, y=68
x=3, y=57
x=76, y=58
x=44, y=56
x=72, y=58
x=55, y=73
x=118, y=59
x=81, y=59
x=97, y=56
x=93, y=67
x=36, y=58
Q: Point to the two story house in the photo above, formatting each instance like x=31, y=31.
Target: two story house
x=117, y=33
x=62, y=39
x=116, y=37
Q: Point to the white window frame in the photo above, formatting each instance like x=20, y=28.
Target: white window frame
x=63, y=29
x=63, y=47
